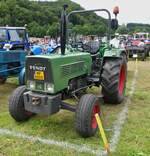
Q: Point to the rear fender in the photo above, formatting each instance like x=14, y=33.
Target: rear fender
x=115, y=53
x=22, y=77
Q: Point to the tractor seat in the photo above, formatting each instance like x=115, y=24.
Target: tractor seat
x=94, y=47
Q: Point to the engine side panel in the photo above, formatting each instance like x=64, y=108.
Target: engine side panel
x=68, y=67
x=59, y=69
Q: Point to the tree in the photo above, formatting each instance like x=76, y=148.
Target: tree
x=53, y=30
x=122, y=30
x=43, y=18
x=100, y=30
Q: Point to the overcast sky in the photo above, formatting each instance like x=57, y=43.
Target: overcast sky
x=130, y=10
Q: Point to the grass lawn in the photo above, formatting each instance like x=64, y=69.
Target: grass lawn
x=135, y=136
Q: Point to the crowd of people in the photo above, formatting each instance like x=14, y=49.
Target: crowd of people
x=45, y=41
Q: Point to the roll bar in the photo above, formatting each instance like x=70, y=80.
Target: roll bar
x=65, y=21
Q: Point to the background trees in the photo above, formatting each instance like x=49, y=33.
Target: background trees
x=43, y=18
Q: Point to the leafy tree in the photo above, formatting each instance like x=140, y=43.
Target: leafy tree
x=122, y=30
x=53, y=30
x=138, y=27
x=43, y=18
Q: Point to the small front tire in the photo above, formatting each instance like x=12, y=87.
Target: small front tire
x=86, y=124
x=16, y=105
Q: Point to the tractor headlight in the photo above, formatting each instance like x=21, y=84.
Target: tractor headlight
x=49, y=87
x=31, y=84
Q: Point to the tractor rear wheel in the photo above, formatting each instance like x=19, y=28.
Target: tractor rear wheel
x=16, y=105
x=114, y=76
x=2, y=79
x=86, y=124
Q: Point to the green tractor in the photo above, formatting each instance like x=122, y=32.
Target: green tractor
x=68, y=72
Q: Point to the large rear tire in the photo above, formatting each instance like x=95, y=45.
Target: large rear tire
x=114, y=77
x=85, y=123
x=16, y=105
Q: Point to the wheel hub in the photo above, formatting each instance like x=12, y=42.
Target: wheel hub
x=122, y=78
x=96, y=109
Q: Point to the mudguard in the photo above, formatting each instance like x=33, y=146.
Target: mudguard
x=114, y=53
x=22, y=77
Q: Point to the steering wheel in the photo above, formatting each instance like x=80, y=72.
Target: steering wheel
x=82, y=47
x=86, y=47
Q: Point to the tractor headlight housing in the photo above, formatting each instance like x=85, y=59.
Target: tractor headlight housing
x=49, y=87
x=31, y=84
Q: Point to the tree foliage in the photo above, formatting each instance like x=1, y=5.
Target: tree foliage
x=43, y=18
x=131, y=28
x=138, y=27
x=122, y=29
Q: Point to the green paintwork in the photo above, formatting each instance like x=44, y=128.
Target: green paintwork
x=70, y=64
x=102, y=49
x=112, y=52
x=73, y=64
x=107, y=51
x=62, y=61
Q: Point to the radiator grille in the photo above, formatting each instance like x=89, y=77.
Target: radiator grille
x=73, y=68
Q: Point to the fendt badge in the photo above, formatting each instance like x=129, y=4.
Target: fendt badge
x=39, y=68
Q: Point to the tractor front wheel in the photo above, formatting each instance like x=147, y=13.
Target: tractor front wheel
x=16, y=105
x=86, y=124
x=114, y=76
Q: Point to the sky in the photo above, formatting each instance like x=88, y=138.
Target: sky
x=130, y=10
x=135, y=11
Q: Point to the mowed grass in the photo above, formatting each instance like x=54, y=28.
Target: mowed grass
x=60, y=126
x=135, y=136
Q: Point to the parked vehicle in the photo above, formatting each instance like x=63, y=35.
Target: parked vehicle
x=50, y=79
x=139, y=46
x=14, y=46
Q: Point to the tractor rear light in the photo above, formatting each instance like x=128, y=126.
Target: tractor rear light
x=49, y=87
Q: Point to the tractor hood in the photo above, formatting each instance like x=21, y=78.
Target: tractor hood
x=51, y=73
